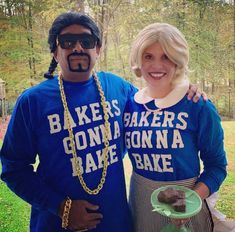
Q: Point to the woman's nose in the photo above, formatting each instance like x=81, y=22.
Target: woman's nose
x=157, y=64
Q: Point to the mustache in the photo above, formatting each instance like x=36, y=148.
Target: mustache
x=75, y=53
x=80, y=67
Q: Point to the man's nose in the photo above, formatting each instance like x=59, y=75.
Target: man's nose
x=78, y=47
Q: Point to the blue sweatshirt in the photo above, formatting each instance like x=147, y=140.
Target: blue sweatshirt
x=167, y=138
x=37, y=127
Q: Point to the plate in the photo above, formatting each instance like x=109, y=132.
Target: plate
x=192, y=199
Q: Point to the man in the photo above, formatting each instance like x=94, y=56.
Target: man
x=73, y=122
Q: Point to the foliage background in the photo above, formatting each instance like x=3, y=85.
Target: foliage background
x=209, y=27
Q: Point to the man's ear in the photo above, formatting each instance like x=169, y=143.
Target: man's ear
x=55, y=55
x=98, y=50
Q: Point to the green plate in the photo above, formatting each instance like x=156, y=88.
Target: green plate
x=192, y=199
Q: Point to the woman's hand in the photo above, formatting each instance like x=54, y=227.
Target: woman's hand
x=202, y=190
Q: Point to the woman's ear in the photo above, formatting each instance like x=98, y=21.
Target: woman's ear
x=137, y=72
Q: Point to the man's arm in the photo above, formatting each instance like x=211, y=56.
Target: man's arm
x=18, y=155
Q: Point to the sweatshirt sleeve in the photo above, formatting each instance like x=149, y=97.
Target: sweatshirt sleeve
x=18, y=155
x=211, y=146
x=131, y=90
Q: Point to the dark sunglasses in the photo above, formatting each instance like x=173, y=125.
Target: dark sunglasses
x=69, y=41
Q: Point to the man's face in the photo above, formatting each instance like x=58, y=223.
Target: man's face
x=76, y=52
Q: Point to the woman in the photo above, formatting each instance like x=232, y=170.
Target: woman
x=165, y=132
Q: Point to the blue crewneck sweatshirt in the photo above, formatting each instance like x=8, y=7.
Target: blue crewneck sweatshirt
x=37, y=127
x=166, y=138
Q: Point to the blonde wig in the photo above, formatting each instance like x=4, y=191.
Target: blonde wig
x=172, y=42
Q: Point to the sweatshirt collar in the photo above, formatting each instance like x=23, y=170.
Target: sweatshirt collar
x=171, y=99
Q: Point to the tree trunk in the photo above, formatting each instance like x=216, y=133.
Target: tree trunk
x=101, y=16
x=31, y=44
x=233, y=40
x=80, y=6
x=117, y=51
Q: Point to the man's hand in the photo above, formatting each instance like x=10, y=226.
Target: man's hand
x=82, y=217
x=194, y=93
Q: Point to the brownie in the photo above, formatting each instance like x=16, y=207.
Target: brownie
x=179, y=205
x=173, y=197
x=181, y=194
x=168, y=196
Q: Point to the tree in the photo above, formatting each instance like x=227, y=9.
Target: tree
x=207, y=25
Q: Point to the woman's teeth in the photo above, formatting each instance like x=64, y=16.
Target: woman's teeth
x=157, y=75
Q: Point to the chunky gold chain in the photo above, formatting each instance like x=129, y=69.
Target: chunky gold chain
x=66, y=211
x=71, y=136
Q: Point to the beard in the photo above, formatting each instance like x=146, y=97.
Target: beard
x=79, y=62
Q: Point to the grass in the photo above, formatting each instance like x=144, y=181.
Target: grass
x=226, y=203
x=14, y=212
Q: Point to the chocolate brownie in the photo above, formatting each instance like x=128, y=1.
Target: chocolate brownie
x=173, y=197
x=179, y=205
x=169, y=195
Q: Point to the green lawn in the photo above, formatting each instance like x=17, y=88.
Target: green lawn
x=14, y=213
x=226, y=202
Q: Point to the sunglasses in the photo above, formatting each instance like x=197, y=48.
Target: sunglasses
x=69, y=41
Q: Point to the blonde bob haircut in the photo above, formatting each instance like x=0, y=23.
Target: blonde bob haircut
x=172, y=42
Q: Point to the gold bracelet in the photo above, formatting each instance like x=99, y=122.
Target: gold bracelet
x=65, y=217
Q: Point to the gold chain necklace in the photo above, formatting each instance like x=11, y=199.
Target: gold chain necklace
x=71, y=136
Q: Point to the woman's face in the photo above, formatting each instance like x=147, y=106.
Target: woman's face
x=157, y=69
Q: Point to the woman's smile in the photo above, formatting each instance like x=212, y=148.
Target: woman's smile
x=157, y=75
